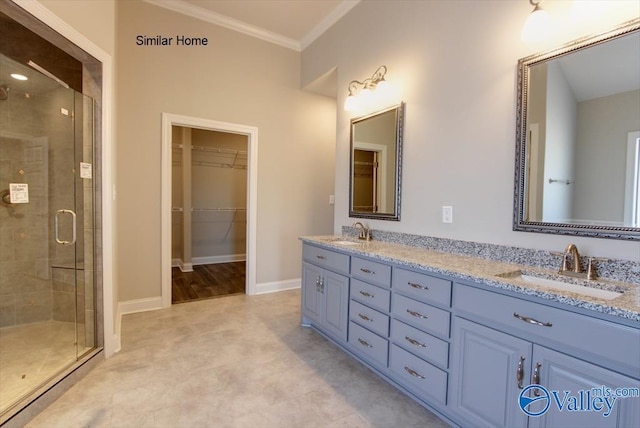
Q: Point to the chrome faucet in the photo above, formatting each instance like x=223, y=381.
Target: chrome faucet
x=364, y=232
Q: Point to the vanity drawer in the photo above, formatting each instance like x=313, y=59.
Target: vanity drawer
x=376, y=297
x=422, y=287
x=418, y=375
x=369, y=344
x=370, y=271
x=420, y=343
x=420, y=315
x=369, y=318
x=613, y=345
x=326, y=258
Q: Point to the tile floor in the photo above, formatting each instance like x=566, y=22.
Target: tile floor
x=238, y=361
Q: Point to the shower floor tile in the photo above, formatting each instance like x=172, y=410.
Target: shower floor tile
x=30, y=354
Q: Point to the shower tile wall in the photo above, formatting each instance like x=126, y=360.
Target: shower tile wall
x=25, y=287
x=35, y=149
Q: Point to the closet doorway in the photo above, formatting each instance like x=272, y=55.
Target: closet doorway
x=209, y=213
x=208, y=208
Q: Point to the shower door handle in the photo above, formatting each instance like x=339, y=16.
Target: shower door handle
x=73, y=227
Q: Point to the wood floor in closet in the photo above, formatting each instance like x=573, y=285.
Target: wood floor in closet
x=207, y=281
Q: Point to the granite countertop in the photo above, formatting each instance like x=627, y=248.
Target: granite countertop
x=493, y=273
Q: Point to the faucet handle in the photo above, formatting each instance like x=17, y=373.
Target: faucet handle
x=565, y=263
x=591, y=270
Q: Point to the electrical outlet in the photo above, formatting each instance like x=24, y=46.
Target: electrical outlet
x=447, y=214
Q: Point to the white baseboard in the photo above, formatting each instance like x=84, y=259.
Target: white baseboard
x=139, y=305
x=131, y=307
x=272, y=287
x=210, y=260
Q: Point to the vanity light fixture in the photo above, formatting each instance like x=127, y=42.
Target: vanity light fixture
x=538, y=24
x=372, y=90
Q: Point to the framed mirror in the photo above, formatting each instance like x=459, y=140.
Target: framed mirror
x=578, y=138
x=376, y=160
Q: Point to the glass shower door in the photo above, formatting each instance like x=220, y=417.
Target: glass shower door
x=46, y=231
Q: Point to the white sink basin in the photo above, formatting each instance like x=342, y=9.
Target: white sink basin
x=560, y=285
x=345, y=242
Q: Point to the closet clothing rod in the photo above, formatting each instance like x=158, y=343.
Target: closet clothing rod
x=218, y=150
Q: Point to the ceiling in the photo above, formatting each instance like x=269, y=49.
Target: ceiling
x=290, y=23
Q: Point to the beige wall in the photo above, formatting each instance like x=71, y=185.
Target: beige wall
x=235, y=79
x=454, y=63
x=94, y=19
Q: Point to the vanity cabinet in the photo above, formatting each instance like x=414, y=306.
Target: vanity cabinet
x=420, y=330
x=370, y=301
x=467, y=350
x=325, y=291
x=500, y=349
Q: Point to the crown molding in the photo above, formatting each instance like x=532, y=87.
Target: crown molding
x=227, y=22
x=342, y=9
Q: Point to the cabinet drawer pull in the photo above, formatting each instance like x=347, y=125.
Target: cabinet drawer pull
x=520, y=372
x=364, y=343
x=365, y=294
x=418, y=286
x=413, y=373
x=321, y=257
x=365, y=270
x=531, y=320
x=416, y=314
x=364, y=317
x=414, y=342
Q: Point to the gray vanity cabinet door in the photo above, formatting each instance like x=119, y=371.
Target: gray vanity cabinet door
x=561, y=372
x=325, y=300
x=311, y=296
x=335, y=289
x=484, y=369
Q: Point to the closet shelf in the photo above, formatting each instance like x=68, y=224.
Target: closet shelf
x=218, y=209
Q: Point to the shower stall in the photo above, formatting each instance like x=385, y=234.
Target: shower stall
x=47, y=281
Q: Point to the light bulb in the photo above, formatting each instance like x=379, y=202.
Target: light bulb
x=537, y=27
x=365, y=97
x=383, y=92
x=351, y=103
